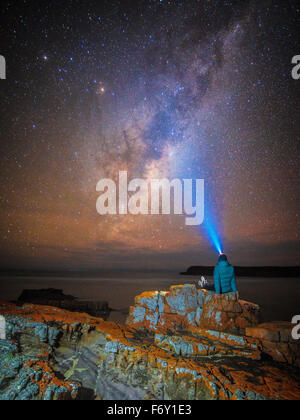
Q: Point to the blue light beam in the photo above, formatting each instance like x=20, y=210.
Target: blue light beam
x=212, y=232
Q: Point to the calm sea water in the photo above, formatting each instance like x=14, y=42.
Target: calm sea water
x=279, y=298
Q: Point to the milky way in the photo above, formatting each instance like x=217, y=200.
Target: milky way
x=187, y=89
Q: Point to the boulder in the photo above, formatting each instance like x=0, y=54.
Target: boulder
x=276, y=340
x=272, y=331
x=185, y=306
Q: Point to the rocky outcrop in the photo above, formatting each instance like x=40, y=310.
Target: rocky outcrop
x=25, y=378
x=275, y=340
x=178, y=359
x=185, y=306
x=219, y=325
x=56, y=297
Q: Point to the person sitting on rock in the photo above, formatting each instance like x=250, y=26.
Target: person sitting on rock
x=224, y=277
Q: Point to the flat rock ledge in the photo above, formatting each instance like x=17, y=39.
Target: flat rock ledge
x=180, y=344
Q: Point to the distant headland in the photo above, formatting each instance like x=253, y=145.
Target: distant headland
x=247, y=271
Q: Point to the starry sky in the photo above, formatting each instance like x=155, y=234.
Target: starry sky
x=176, y=89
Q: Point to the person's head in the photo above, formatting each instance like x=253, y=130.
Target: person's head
x=223, y=257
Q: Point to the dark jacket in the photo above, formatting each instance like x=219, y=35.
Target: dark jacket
x=224, y=278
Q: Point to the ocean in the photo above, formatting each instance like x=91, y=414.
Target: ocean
x=279, y=298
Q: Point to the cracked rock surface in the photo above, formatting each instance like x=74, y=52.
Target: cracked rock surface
x=178, y=344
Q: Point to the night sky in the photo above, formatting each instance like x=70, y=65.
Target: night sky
x=187, y=89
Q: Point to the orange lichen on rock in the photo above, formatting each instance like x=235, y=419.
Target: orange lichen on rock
x=225, y=382
x=48, y=379
x=68, y=320
x=272, y=331
x=165, y=335
x=276, y=339
x=184, y=306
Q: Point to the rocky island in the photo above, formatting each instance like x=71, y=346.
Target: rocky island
x=181, y=344
x=56, y=297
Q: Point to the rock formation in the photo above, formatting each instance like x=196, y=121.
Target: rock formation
x=56, y=297
x=179, y=344
x=184, y=307
x=26, y=378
